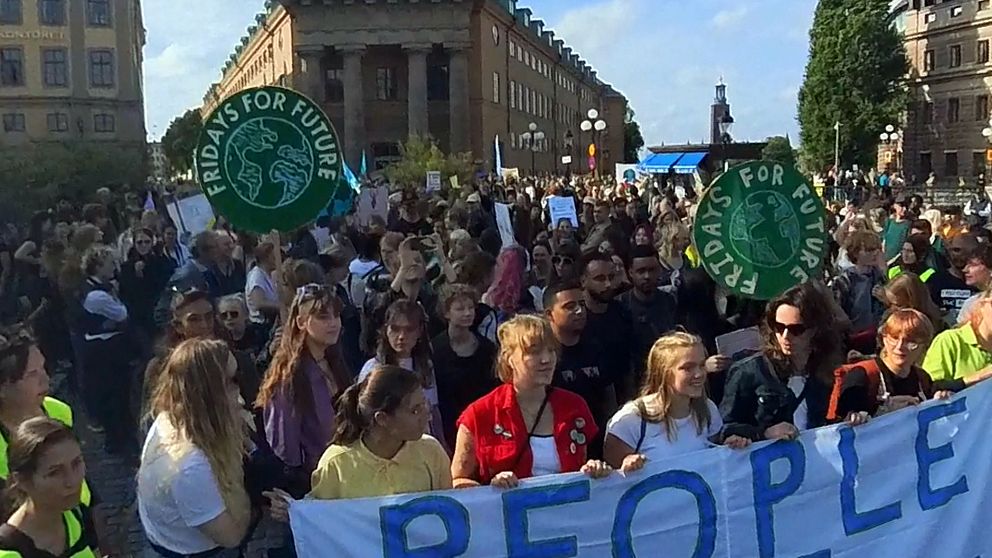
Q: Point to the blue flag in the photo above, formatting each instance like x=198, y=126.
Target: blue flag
x=364, y=171
x=353, y=181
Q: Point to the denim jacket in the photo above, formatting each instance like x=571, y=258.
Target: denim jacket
x=755, y=399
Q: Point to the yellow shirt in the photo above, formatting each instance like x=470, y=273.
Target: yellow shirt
x=353, y=471
x=955, y=354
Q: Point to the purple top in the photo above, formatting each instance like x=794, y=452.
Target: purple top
x=301, y=440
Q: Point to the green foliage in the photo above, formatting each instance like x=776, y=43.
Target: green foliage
x=179, y=142
x=856, y=75
x=633, y=141
x=419, y=155
x=33, y=175
x=779, y=149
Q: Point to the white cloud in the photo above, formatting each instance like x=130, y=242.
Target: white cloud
x=728, y=18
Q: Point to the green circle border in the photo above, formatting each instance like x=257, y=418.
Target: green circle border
x=306, y=208
x=730, y=181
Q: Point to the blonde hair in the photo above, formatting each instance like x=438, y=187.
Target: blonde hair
x=521, y=335
x=189, y=391
x=668, y=233
x=974, y=315
x=663, y=360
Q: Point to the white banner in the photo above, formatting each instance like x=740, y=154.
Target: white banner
x=912, y=483
x=505, y=224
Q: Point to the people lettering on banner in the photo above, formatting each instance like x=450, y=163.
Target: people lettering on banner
x=410, y=338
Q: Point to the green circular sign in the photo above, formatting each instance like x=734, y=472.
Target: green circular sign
x=759, y=229
x=269, y=158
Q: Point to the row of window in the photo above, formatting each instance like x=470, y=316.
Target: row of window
x=59, y=122
x=542, y=67
x=255, y=68
x=55, y=67
x=953, y=113
x=527, y=100
x=53, y=12
x=951, y=163
x=517, y=142
x=954, y=56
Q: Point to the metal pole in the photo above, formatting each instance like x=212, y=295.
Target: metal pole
x=837, y=151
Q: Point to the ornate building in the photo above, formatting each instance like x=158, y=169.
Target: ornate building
x=463, y=72
x=71, y=70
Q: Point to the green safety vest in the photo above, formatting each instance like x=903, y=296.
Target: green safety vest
x=61, y=412
x=896, y=271
x=77, y=545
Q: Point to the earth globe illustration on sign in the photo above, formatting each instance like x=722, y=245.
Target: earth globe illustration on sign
x=265, y=152
x=764, y=229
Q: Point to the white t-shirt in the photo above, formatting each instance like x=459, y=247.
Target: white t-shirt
x=626, y=425
x=545, y=452
x=801, y=417
x=176, y=497
x=259, y=279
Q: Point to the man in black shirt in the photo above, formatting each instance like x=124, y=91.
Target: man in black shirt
x=607, y=322
x=651, y=310
x=580, y=366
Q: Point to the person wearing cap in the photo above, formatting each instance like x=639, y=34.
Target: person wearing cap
x=410, y=221
x=896, y=228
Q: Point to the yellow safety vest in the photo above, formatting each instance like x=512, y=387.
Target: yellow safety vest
x=77, y=546
x=61, y=412
x=896, y=271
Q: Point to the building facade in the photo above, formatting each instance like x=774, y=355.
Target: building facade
x=158, y=163
x=463, y=71
x=71, y=70
x=947, y=42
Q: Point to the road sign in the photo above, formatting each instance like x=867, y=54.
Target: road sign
x=592, y=149
x=592, y=163
x=269, y=158
x=760, y=230
x=566, y=160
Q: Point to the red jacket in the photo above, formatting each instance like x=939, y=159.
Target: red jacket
x=497, y=425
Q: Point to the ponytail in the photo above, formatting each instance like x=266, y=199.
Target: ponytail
x=382, y=391
x=349, y=419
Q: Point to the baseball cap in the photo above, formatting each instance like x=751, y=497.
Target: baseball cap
x=474, y=197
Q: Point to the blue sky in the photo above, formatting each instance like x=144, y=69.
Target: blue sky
x=664, y=55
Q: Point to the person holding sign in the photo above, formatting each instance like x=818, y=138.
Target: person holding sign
x=524, y=428
x=785, y=388
x=672, y=416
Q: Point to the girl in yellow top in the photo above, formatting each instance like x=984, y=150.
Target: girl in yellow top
x=46, y=474
x=380, y=447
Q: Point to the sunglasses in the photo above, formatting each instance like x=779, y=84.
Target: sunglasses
x=311, y=290
x=233, y=315
x=564, y=260
x=142, y=242
x=795, y=329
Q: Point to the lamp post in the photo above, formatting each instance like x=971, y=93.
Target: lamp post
x=726, y=123
x=596, y=126
x=533, y=137
x=890, y=137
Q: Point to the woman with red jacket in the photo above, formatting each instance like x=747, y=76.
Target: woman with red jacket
x=524, y=428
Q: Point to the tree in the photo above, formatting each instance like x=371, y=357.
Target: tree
x=633, y=141
x=779, y=150
x=179, y=142
x=856, y=75
x=33, y=175
x=419, y=155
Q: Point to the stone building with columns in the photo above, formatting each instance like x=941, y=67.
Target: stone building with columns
x=462, y=71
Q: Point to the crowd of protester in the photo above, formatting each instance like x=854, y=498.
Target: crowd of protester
x=427, y=351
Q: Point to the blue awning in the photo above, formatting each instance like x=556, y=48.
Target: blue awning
x=689, y=163
x=658, y=163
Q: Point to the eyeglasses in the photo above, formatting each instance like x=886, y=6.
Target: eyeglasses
x=232, y=315
x=562, y=260
x=908, y=345
x=795, y=329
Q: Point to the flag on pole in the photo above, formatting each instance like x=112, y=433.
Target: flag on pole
x=149, y=203
x=353, y=181
x=499, y=158
x=364, y=171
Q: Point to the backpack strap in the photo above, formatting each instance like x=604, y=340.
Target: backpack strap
x=640, y=438
x=874, y=374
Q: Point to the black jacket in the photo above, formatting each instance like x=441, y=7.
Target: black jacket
x=755, y=398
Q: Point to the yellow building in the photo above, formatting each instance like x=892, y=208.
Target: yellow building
x=71, y=70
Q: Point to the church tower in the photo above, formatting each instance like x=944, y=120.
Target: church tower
x=718, y=111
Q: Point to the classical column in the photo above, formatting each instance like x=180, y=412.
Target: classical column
x=417, y=91
x=458, y=105
x=354, y=104
x=311, y=81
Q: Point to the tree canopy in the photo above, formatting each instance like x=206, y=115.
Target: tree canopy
x=779, y=150
x=179, y=142
x=856, y=75
x=421, y=154
x=633, y=141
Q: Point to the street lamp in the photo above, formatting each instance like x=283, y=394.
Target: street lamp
x=890, y=137
x=726, y=123
x=595, y=125
x=532, y=139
